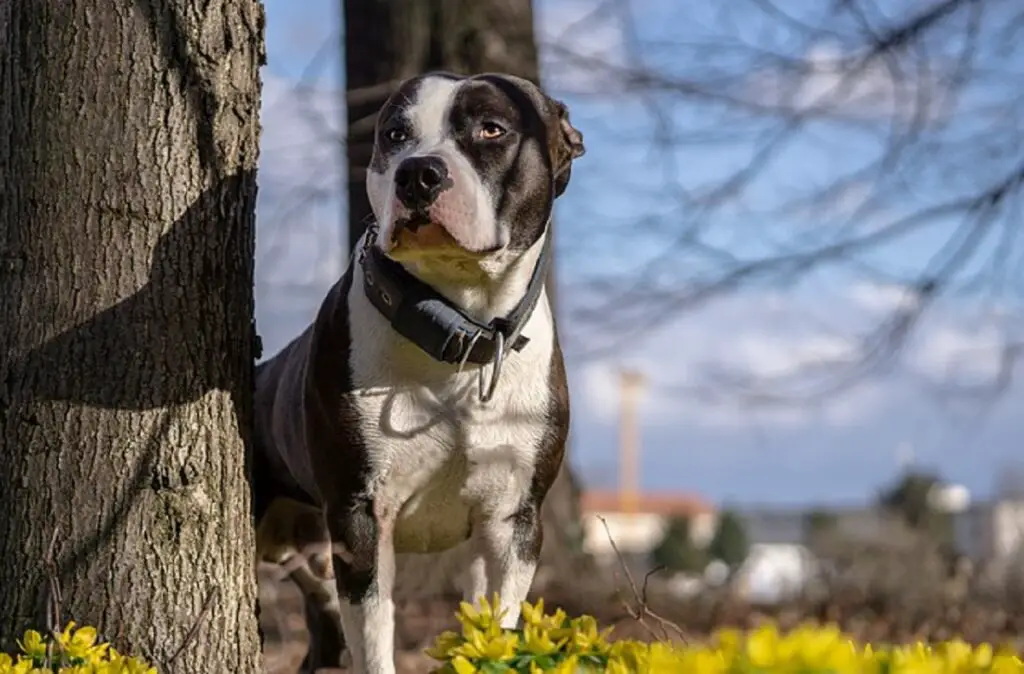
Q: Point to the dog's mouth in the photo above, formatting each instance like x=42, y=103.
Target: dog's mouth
x=411, y=224
x=417, y=233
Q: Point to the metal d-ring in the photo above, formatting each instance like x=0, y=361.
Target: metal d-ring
x=499, y=356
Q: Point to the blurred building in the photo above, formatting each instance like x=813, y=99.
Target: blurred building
x=637, y=524
x=774, y=571
x=992, y=530
x=781, y=557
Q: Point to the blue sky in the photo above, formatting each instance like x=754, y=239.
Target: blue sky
x=697, y=436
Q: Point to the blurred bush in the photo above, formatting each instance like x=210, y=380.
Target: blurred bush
x=676, y=551
x=729, y=543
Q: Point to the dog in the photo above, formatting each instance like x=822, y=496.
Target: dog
x=411, y=433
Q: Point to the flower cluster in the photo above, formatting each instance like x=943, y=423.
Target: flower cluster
x=74, y=651
x=555, y=643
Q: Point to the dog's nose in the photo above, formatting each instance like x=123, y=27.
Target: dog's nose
x=419, y=180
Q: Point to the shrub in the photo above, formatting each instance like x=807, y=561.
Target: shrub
x=729, y=543
x=677, y=551
x=556, y=643
x=74, y=651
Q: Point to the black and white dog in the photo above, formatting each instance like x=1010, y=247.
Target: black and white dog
x=425, y=410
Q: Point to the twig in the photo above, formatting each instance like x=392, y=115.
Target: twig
x=641, y=611
x=53, y=596
x=195, y=625
x=647, y=577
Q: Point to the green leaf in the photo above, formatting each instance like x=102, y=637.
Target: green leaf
x=520, y=661
x=545, y=661
x=494, y=667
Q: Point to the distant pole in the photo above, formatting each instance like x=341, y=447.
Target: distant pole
x=631, y=384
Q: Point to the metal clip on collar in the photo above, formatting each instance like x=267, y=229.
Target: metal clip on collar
x=499, y=357
x=486, y=392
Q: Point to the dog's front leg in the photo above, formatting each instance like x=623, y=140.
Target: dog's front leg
x=365, y=586
x=509, y=549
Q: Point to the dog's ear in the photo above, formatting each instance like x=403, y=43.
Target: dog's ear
x=566, y=144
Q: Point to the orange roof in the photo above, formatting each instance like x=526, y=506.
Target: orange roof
x=671, y=503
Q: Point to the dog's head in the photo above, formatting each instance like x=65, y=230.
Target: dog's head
x=468, y=167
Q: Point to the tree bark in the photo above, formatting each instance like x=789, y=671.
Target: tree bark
x=127, y=165
x=387, y=41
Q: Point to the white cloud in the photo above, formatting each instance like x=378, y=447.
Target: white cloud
x=841, y=84
x=777, y=356
x=698, y=365
x=964, y=353
x=950, y=343
x=882, y=298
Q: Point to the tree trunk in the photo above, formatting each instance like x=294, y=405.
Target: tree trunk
x=387, y=41
x=130, y=139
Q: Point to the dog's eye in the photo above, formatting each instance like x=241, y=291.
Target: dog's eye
x=396, y=135
x=490, y=131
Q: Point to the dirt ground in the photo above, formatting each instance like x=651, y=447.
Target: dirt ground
x=283, y=623
x=875, y=619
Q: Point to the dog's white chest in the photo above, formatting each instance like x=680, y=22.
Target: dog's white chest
x=440, y=458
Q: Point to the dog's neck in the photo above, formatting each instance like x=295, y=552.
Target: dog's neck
x=483, y=289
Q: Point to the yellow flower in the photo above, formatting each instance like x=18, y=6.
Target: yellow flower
x=1005, y=663
x=806, y=649
x=585, y=638
x=484, y=619
x=701, y=660
x=762, y=647
x=534, y=615
x=33, y=645
x=615, y=667
x=538, y=641
x=480, y=647
x=444, y=644
x=100, y=668
x=567, y=666
x=20, y=667
x=981, y=658
x=81, y=644
x=727, y=640
x=463, y=666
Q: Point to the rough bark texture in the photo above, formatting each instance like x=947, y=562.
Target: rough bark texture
x=128, y=147
x=387, y=41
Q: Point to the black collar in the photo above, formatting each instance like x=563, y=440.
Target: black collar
x=424, y=317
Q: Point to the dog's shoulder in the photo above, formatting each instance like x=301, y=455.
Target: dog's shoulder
x=281, y=379
x=303, y=409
